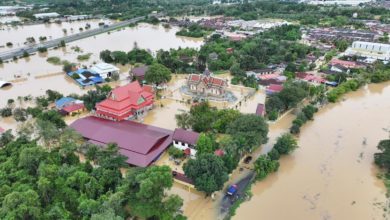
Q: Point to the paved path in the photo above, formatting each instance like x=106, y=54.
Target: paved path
x=70, y=38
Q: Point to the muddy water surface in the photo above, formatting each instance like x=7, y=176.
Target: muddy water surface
x=331, y=175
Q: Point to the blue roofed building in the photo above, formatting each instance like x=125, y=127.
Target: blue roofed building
x=85, y=77
x=64, y=101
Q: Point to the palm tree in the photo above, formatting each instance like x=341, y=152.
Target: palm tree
x=184, y=120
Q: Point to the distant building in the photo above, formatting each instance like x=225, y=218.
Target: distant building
x=310, y=78
x=138, y=73
x=206, y=85
x=46, y=15
x=369, y=50
x=86, y=77
x=339, y=2
x=185, y=140
x=105, y=70
x=141, y=144
x=126, y=102
x=273, y=88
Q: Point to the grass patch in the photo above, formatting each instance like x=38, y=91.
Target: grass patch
x=84, y=57
x=54, y=60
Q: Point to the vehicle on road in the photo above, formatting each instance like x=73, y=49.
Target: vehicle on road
x=232, y=190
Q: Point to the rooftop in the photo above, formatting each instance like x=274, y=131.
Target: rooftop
x=140, y=143
x=104, y=67
x=185, y=136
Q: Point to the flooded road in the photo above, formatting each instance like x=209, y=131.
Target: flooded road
x=331, y=175
x=146, y=36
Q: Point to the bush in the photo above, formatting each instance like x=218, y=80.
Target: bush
x=285, y=144
x=274, y=154
x=84, y=57
x=175, y=152
x=6, y=112
x=54, y=60
x=20, y=114
x=9, y=44
x=75, y=76
x=264, y=166
x=42, y=49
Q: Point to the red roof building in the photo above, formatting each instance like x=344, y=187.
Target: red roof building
x=126, y=102
x=141, y=144
x=345, y=63
x=273, y=88
x=260, y=110
x=205, y=84
x=186, y=141
x=73, y=108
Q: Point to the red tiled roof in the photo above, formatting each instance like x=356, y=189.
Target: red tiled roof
x=207, y=80
x=275, y=87
x=140, y=143
x=260, y=110
x=185, y=136
x=73, y=107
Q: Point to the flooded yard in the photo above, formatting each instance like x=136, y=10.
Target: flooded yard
x=331, y=175
x=26, y=70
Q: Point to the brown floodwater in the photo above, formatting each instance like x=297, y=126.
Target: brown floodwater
x=150, y=37
x=18, y=34
x=331, y=175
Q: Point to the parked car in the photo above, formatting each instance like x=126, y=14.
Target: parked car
x=232, y=190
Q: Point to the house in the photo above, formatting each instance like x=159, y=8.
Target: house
x=260, y=110
x=273, y=88
x=126, y=102
x=206, y=85
x=141, y=144
x=138, y=73
x=259, y=72
x=345, y=63
x=339, y=68
x=105, y=70
x=73, y=109
x=185, y=140
x=86, y=77
x=219, y=152
x=69, y=105
x=310, y=78
x=369, y=50
x=46, y=15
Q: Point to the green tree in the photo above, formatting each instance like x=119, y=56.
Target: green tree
x=251, y=130
x=207, y=171
x=285, y=144
x=158, y=74
x=382, y=159
x=264, y=166
x=184, y=120
x=205, y=144
x=105, y=55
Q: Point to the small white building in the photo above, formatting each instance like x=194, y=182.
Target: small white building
x=369, y=50
x=46, y=15
x=185, y=141
x=105, y=70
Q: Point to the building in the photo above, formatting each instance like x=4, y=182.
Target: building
x=185, y=140
x=273, y=88
x=126, y=102
x=46, y=15
x=105, y=70
x=345, y=63
x=206, y=85
x=310, y=78
x=69, y=106
x=141, y=144
x=2, y=130
x=369, y=50
x=260, y=72
x=260, y=110
x=339, y=2
x=333, y=34
x=86, y=77
x=138, y=73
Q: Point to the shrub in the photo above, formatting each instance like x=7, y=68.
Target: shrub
x=175, y=152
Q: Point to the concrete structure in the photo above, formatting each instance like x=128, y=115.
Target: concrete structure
x=185, y=140
x=339, y=2
x=126, y=102
x=105, y=70
x=369, y=50
x=141, y=144
x=46, y=15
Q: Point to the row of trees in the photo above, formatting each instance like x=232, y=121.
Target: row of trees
x=134, y=56
x=306, y=114
x=50, y=182
x=241, y=133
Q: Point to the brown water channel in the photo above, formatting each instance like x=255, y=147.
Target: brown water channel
x=331, y=175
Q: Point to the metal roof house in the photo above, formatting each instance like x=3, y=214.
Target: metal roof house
x=46, y=15
x=184, y=139
x=105, y=70
x=142, y=144
x=4, y=84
